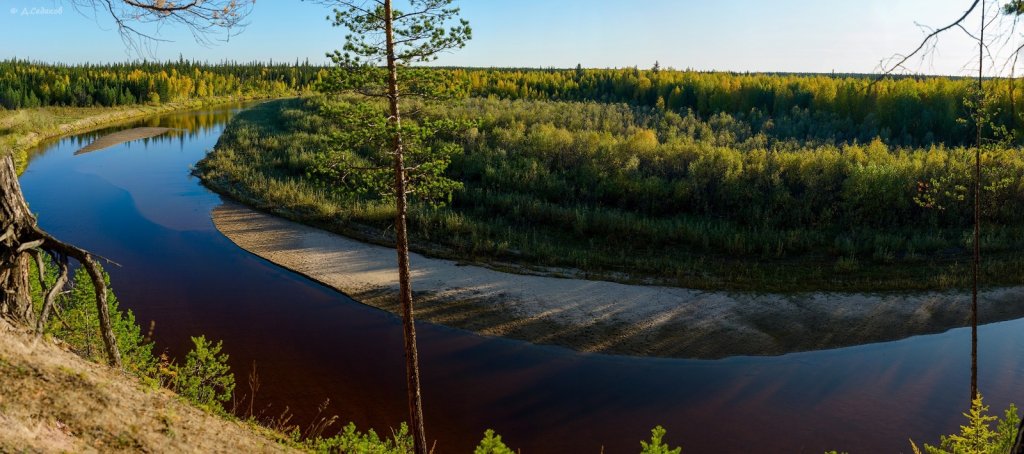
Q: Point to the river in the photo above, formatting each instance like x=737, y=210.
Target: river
x=137, y=204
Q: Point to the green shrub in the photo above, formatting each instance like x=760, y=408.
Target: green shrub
x=205, y=379
x=492, y=444
x=978, y=436
x=350, y=440
x=656, y=446
x=78, y=327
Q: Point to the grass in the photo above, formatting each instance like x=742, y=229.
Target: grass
x=542, y=219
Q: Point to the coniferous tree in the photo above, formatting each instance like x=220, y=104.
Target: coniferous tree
x=376, y=61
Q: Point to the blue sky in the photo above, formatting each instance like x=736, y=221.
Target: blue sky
x=734, y=35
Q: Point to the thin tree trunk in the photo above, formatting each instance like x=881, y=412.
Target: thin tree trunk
x=1018, y=445
x=1013, y=103
x=976, y=264
x=106, y=330
x=402, y=247
x=51, y=296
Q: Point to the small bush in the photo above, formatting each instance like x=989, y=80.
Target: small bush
x=205, y=379
x=978, y=437
x=351, y=440
x=79, y=325
x=492, y=444
x=656, y=446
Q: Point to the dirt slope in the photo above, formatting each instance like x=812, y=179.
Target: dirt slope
x=54, y=401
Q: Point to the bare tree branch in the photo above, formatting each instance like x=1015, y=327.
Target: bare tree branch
x=925, y=43
x=49, y=300
x=206, y=20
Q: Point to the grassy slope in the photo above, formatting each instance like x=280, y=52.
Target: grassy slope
x=55, y=401
x=20, y=130
x=257, y=172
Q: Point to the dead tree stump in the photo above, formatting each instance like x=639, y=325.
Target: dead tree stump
x=21, y=241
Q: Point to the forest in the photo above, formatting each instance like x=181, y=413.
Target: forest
x=653, y=193
x=25, y=84
x=903, y=110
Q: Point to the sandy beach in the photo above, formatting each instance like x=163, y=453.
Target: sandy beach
x=607, y=317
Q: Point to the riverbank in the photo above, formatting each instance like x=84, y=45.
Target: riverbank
x=21, y=130
x=605, y=317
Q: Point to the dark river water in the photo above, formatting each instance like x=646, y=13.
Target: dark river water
x=137, y=204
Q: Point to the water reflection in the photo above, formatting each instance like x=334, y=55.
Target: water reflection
x=137, y=204
x=124, y=136
x=186, y=127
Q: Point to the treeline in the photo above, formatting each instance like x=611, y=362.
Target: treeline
x=903, y=111
x=900, y=110
x=25, y=84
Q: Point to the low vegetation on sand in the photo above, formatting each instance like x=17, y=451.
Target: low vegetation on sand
x=641, y=194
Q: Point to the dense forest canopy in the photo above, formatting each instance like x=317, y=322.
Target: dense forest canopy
x=25, y=85
x=900, y=110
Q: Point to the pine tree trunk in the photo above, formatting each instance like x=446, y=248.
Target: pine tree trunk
x=976, y=262
x=1018, y=445
x=402, y=247
x=1013, y=105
